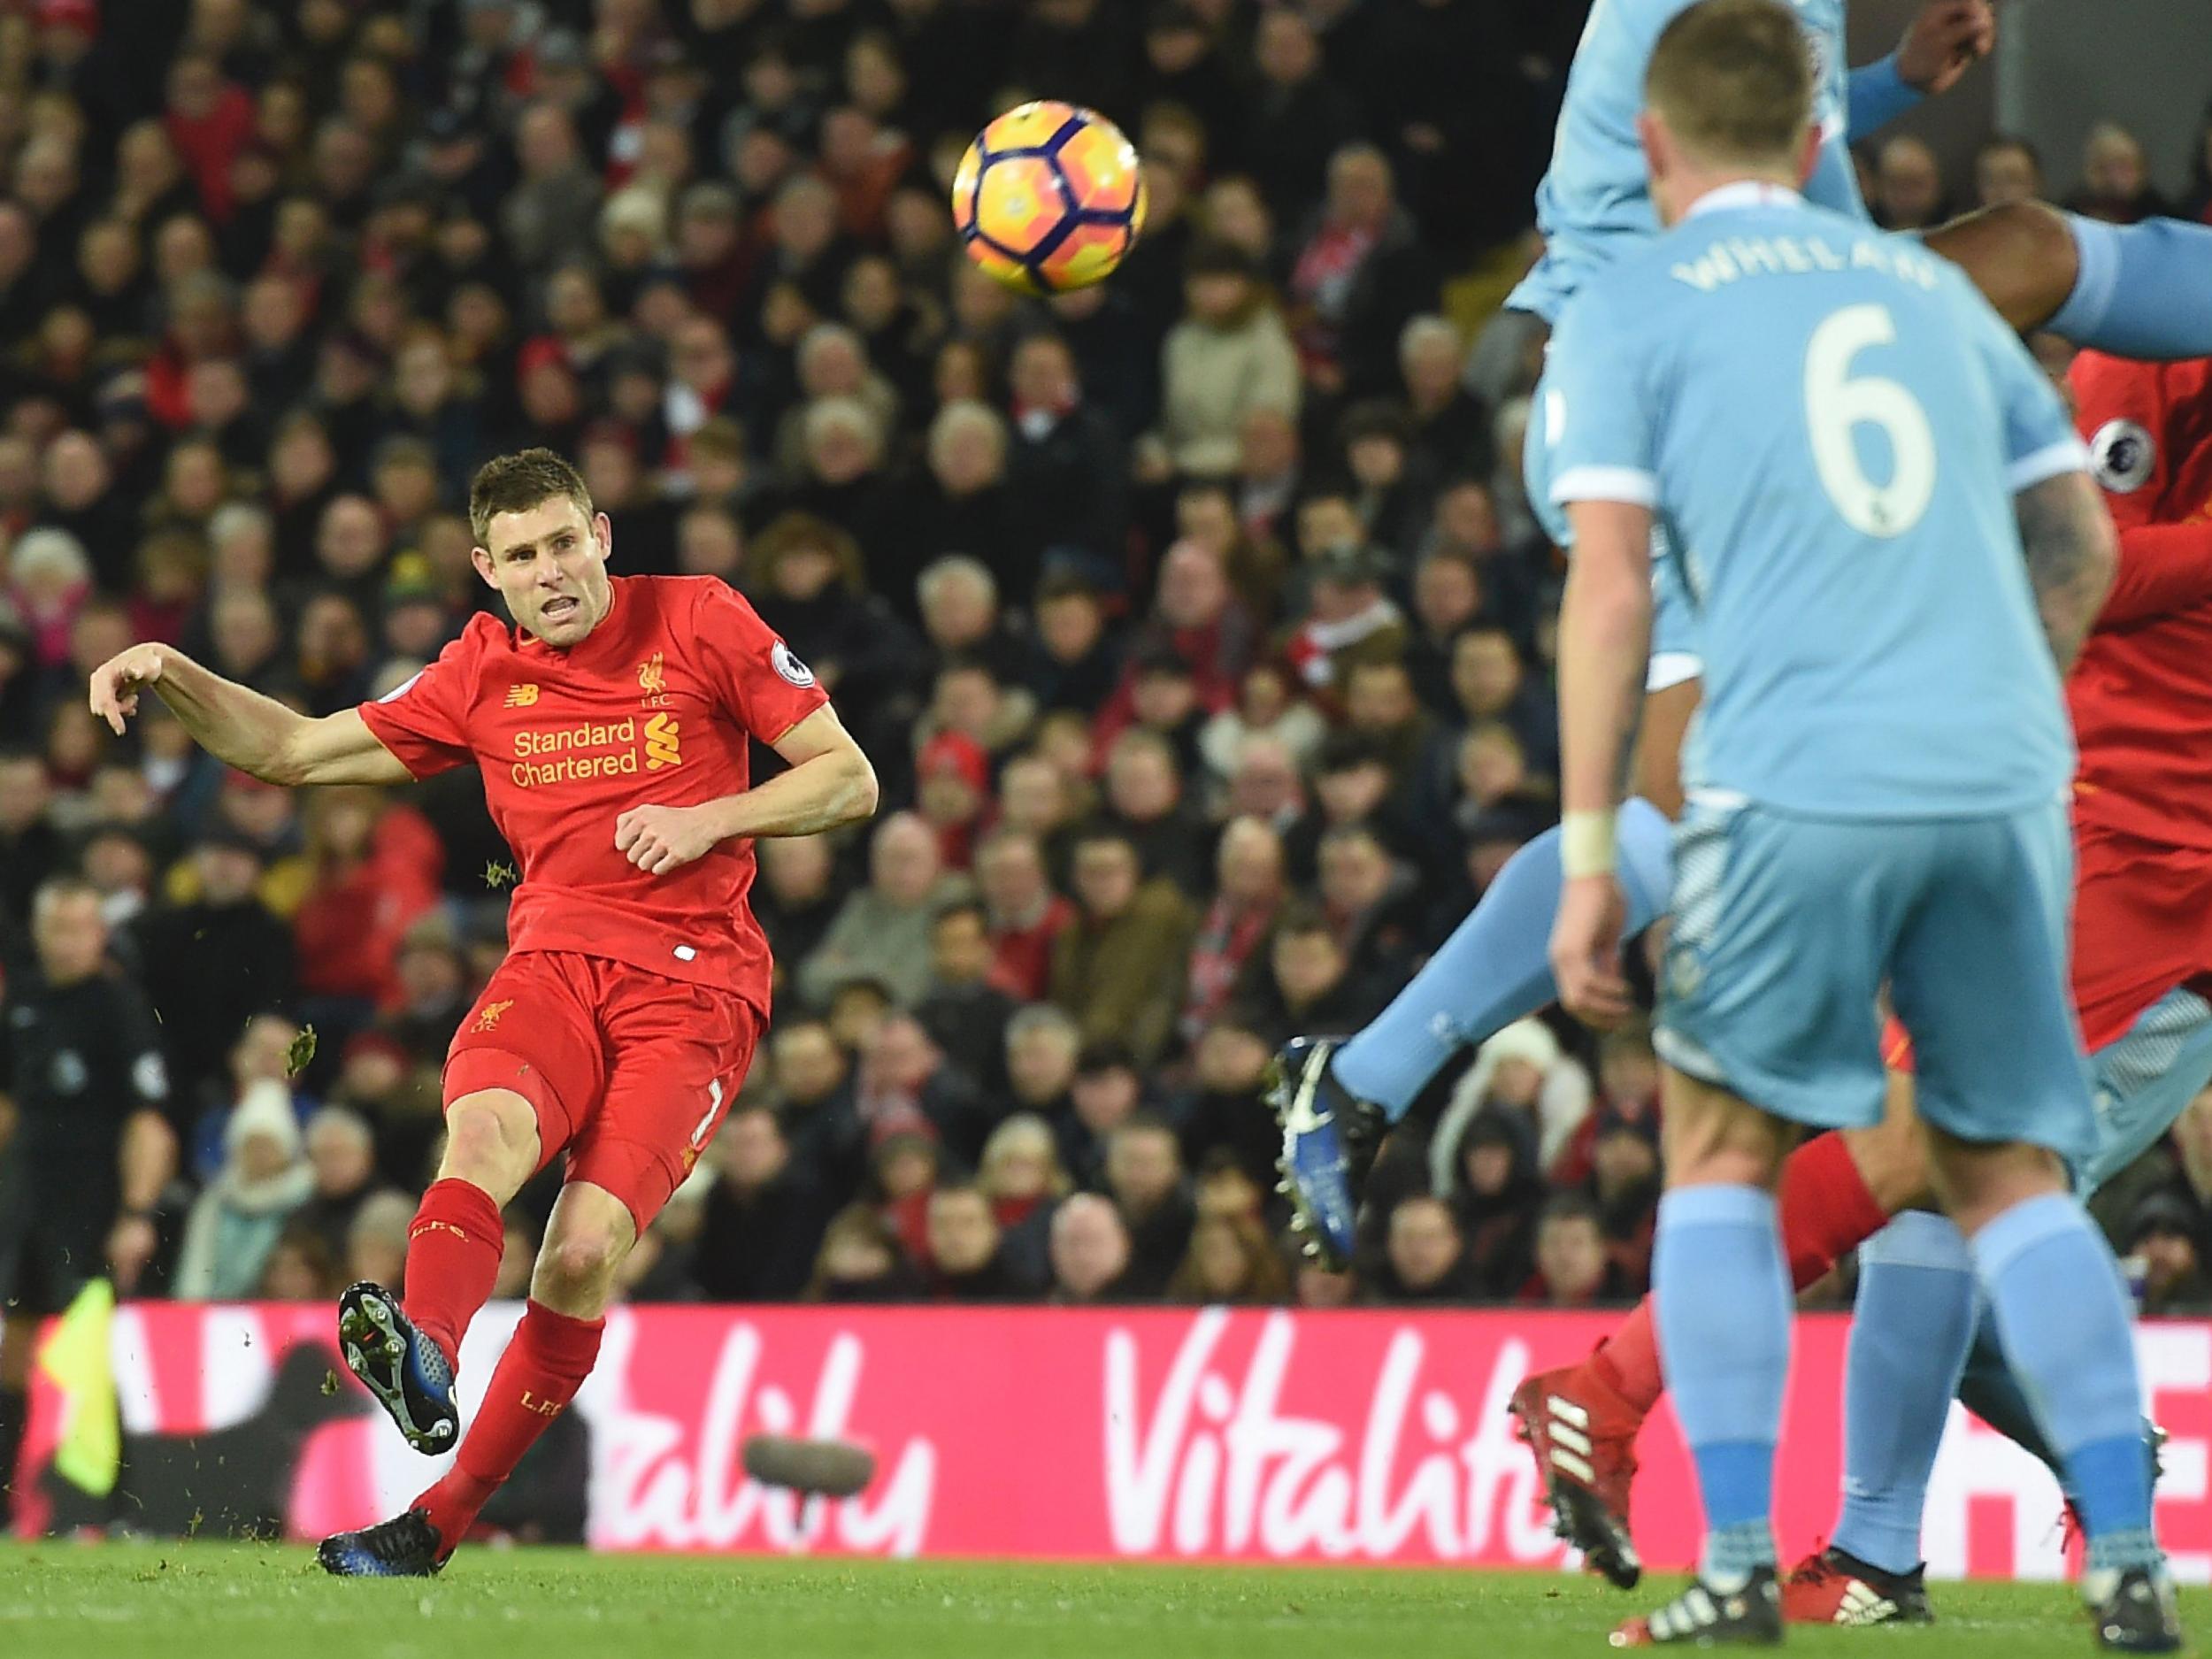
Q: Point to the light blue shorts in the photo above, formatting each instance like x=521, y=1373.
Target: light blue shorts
x=2145, y=1078
x=1675, y=655
x=1788, y=929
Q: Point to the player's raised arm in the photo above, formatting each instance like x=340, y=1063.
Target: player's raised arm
x=830, y=782
x=240, y=726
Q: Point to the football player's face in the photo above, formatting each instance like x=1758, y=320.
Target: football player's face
x=549, y=563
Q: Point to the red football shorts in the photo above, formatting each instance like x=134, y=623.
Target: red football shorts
x=2142, y=926
x=630, y=1073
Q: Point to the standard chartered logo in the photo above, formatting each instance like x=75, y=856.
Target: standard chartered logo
x=594, y=749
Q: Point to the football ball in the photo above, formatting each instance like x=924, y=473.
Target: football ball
x=1050, y=197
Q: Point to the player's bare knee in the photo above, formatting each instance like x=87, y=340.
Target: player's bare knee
x=576, y=1268
x=491, y=1141
x=1977, y=1182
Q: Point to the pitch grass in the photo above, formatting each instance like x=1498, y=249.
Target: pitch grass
x=210, y=1601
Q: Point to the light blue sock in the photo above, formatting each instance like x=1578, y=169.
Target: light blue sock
x=1909, y=1334
x=2142, y=290
x=2061, y=1314
x=1496, y=965
x=1723, y=1294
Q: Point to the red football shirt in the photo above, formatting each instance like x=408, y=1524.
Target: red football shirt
x=2142, y=693
x=652, y=708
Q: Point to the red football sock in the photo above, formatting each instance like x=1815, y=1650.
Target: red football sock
x=453, y=1251
x=1826, y=1208
x=544, y=1365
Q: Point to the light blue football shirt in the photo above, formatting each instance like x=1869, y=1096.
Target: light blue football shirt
x=1594, y=198
x=1831, y=424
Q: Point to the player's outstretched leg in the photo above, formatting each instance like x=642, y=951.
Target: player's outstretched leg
x=553, y=1349
x=1582, y=1420
x=1909, y=1335
x=405, y=1372
x=1335, y=1100
x=408, y=1355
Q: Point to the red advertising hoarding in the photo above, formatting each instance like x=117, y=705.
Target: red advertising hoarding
x=1136, y=1434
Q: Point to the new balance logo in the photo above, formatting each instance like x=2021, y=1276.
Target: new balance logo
x=489, y=1017
x=521, y=696
x=664, y=742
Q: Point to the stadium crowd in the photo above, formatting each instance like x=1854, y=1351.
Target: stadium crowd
x=1196, y=622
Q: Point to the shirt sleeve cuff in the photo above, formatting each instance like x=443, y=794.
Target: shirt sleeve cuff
x=1629, y=484
x=1876, y=95
x=2068, y=455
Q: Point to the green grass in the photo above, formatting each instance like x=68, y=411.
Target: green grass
x=210, y=1601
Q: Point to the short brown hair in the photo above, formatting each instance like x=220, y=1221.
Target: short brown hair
x=1734, y=80
x=518, y=482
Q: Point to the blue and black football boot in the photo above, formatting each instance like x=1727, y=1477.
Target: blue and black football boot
x=1330, y=1138
x=407, y=1372
x=406, y=1546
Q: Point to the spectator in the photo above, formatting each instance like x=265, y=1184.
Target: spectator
x=1067, y=467
x=1144, y=1176
x=1572, y=1269
x=340, y=1146
x=2007, y=170
x=263, y=1182
x=1232, y=1261
x=964, y=1013
x=763, y=1219
x=1228, y=356
x=1074, y=663
x=862, y=1260
x=968, y=1257
x=1118, y=967
x=2116, y=177
x=1306, y=984
x=1298, y=118
x=1424, y=1259
x=1089, y=1251
x=1908, y=186
x=1106, y=1092
x=299, y=1268
x=1145, y=803
x=1522, y=1069
x=1026, y=915
x=1349, y=621
x=2162, y=1251
x=1020, y=1172
x=1248, y=892
x=1359, y=271
x=1486, y=1167
x=883, y=929
x=1042, y=1046
x=967, y=507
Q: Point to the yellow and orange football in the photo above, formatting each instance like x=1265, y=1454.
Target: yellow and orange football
x=1050, y=197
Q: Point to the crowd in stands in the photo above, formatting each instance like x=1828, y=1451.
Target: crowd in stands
x=1196, y=623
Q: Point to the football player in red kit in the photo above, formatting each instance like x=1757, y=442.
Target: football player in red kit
x=611, y=720
x=2140, y=701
